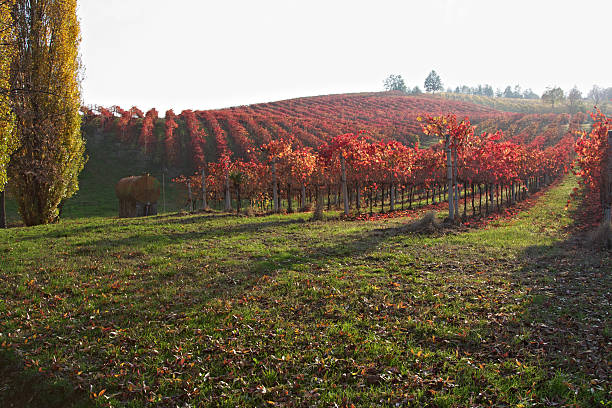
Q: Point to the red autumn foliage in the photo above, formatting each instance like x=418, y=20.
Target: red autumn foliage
x=591, y=159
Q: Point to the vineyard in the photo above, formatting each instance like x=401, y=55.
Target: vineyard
x=363, y=148
x=207, y=309
x=398, y=249
x=312, y=121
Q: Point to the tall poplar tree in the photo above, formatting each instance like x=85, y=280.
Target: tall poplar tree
x=7, y=138
x=46, y=99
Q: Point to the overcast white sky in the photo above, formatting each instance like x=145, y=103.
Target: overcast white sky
x=201, y=54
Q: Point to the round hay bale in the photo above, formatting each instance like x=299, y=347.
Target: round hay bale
x=144, y=189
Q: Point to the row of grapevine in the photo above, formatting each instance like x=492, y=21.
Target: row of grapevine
x=241, y=131
x=365, y=171
x=298, y=148
x=593, y=163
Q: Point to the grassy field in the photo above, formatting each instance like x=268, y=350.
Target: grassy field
x=215, y=310
x=525, y=105
x=107, y=163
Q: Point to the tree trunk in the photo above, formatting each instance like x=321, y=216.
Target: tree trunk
x=358, y=199
x=464, y=201
x=328, y=197
x=189, y=197
x=497, y=196
x=473, y=206
x=344, y=187
x=410, y=197
x=3, y=208
x=274, y=187
x=392, y=198
x=318, y=213
x=449, y=176
x=303, y=197
x=456, y=183
x=238, y=195
x=289, y=202
x=204, y=202
x=228, y=197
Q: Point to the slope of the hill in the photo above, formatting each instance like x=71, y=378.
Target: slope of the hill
x=518, y=105
x=115, y=143
x=193, y=137
x=315, y=120
x=114, y=151
x=390, y=114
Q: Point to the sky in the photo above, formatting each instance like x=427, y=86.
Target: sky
x=201, y=54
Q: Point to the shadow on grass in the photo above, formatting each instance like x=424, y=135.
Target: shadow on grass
x=563, y=325
x=138, y=241
x=568, y=317
x=22, y=387
x=77, y=229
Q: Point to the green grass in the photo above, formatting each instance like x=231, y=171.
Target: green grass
x=108, y=162
x=280, y=311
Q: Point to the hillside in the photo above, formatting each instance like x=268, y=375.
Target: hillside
x=118, y=144
x=187, y=139
x=518, y=105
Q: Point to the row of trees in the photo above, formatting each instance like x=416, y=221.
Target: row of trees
x=575, y=99
x=487, y=90
x=553, y=95
x=365, y=172
x=433, y=83
x=596, y=94
x=41, y=148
